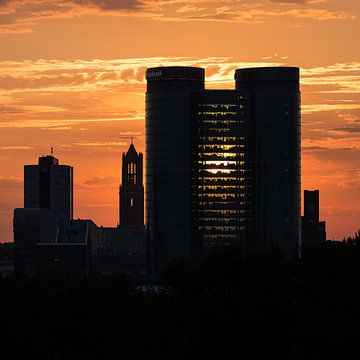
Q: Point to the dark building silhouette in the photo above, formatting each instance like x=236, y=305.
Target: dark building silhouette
x=74, y=249
x=31, y=226
x=124, y=248
x=132, y=191
x=46, y=236
x=311, y=205
x=41, y=243
x=223, y=166
x=6, y=258
x=275, y=122
x=49, y=185
x=48, y=206
x=313, y=230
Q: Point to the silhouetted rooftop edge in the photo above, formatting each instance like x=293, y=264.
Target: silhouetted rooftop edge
x=175, y=72
x=273, y=73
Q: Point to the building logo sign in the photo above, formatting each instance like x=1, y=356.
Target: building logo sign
x=153, y=74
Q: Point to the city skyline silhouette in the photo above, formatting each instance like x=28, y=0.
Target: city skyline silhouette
x=73, y=78
x=179, y=178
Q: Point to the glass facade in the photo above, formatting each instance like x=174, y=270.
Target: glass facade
x=168, y=117
x=222, y=166
x=221, y=171
x=275, y=103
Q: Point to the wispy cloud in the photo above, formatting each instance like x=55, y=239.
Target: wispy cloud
x=341, y=77
x=98, y=181
x=83, y=75
x=58, y=93
x=328, y=107
x=301, y=2
x=16, y=147
x=20, y=16
x=10, y=183
x=57, y=128
x=105, y=143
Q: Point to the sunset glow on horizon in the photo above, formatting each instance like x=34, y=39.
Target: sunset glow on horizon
x=72, y=78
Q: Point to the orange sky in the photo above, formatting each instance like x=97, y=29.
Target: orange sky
x=72, y=78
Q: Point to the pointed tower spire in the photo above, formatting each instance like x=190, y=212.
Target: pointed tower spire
x=132, y=190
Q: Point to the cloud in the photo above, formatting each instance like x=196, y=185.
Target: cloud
x=328, y=138
x=340, y=211
x=16, y=147
x=105, y=143
x=341, y=158
x=350, y=118
x=57, y=128
x=20, y=16
x=8, y=109
x=129, y=135
x=350, y=130
x=56, y=94
x=110, y=4
x=249, y=15
x=10, y=183
x=297, y=1
x=319, y=14
x=352, y=185
x=312, y=108
x=101, y=181
x=189, y=8
x=313, y=148
x=289, y=1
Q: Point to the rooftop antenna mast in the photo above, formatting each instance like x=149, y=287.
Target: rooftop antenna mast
x=52, y=151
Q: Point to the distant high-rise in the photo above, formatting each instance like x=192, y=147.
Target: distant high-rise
x=313, y=230
x=132, y=191
x=311, y=205
x=223, y=166
x=48, y=206
x=49, y=185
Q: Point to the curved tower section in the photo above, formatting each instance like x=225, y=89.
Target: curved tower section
x=275, y=114
x=170, y=94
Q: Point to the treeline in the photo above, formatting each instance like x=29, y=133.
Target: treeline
x=231, y=305
x=69, y=316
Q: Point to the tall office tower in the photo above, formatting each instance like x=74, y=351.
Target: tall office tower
x=132, y=190
x=223, y=166
x=170, y=99
x=275, y=115
x=49, y=185
x=311, y=205
x=313, y=230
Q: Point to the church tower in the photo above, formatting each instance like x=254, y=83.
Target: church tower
x=132, y=191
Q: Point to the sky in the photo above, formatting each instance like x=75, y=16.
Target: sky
x=72, y=78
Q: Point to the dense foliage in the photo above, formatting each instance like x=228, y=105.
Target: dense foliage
x=231, y=305
x=50, y=316
x=264, y=305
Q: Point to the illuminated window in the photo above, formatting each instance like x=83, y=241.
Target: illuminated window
x=221, y=172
